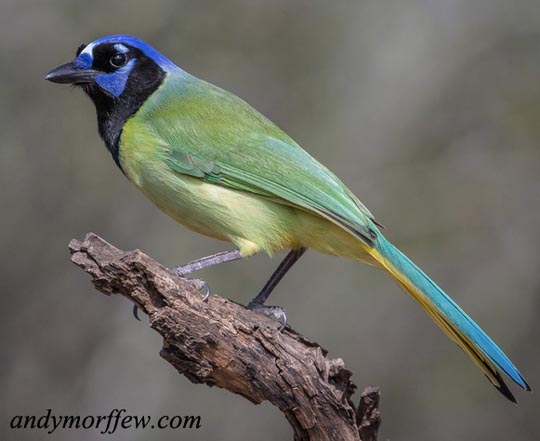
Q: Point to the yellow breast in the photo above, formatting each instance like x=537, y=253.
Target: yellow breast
x=253, y=223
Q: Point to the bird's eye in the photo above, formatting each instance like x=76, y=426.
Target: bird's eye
x=118, y=59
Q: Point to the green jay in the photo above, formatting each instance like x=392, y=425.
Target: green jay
x=217, y=166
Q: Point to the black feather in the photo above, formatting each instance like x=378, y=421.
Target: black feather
x=113, y=112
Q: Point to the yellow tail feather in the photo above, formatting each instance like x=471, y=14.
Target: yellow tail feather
x=449, y=329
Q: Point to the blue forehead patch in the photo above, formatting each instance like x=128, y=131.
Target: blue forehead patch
x=115, y=82
x=84, y=61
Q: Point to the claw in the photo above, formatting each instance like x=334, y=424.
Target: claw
x=136, y=312
x=202, y=287
x=206, y=294
x=274, y=312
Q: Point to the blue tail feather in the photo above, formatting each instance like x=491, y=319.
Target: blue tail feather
x=453, y=315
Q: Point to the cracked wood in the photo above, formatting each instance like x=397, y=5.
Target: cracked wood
x=221, y=343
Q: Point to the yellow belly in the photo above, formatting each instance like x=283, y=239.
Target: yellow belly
x=251, y=222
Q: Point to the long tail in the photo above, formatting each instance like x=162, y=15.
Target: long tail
x=449, y=316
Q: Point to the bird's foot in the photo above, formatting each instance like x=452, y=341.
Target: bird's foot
x=274, y=312
x=136, y=312
x=201, y=286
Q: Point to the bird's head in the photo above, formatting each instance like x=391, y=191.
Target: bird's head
x=114, y=67
x=119, y=73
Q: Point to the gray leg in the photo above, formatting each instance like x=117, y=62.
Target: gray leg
x=206, y=262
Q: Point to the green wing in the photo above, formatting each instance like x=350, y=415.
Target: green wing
x=213, y=135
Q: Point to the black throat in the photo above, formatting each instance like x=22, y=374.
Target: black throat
x=113, y=112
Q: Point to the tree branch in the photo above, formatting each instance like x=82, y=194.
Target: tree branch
x=221, y=343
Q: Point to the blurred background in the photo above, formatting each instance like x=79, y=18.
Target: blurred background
x=428, y=110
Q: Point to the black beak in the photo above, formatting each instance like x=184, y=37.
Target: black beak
x=70, y=74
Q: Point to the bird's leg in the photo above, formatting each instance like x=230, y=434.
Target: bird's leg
x=257, y=303
x=285, y=265
x=199, y=264
x=208, y=261
x=205, y=262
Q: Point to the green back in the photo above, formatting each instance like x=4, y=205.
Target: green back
x=214, y=135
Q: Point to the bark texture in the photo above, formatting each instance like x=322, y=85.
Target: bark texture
x=221, y=343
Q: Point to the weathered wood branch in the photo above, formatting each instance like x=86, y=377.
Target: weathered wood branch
x=221, y=343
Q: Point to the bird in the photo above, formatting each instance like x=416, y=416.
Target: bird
x=219, y=167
